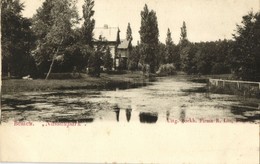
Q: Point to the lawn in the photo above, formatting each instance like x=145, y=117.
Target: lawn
x=85, y=82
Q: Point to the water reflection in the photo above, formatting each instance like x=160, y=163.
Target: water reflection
x=128, y=112
x=168, y=116
x=82, y=120
x=182, y=114
x=117, y=111
x=172, y=98
x=148, y=117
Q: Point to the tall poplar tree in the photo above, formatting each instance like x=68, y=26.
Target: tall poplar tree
x=89, y=22
x=186, y=50
x=149, y=34
x=129, y=33
x=169, y=49
x=184, y=38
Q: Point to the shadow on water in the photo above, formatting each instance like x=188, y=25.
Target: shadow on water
x=73, y=94
x=15, y=102
x=247, y=112
x=128, y=112
x=127, y=85
x=196, y=90
x=199, y=80
x=117, y=111
x=80, y=120
x=148, y=117
x=54, y=109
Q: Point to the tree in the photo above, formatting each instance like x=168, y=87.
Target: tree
x=95, y=60
x=16, y=39
x=76, y=55
x=185, y=48
x=129, y=33
x=149, y=34
x=107, y=59
x=52, y=25
x=134, y=58
x=89, y=22
x=184, y=38
x=161, y=56
x=169, y=48
x=187, y=54
x=246, y=48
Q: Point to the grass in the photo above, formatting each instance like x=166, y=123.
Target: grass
x=205, y=78
x=85, y=82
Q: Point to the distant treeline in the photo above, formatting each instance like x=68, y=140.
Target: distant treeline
x=51, y=42
x=192, y=58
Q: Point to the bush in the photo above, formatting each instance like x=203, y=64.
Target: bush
x=166, y=70
x=220, y=68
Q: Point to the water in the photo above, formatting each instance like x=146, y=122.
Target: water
x=171, y=99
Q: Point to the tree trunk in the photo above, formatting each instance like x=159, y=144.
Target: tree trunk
x=53, y=59
x=51, y=66
x=8, y=71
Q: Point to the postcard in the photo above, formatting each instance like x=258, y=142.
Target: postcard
x=140, y=81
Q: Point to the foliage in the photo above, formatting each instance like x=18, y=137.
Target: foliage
x=246, y=48
x=95, y=60
x=149, y=34
x=16, y=40
x=89, y=22
x=184, y=37
x=75, y=56
x=107, y=59
x=52, y=26
x=186, y=51
x=58, y=46
x=187, y=54
x=169, y=49
x=206, y=57
x=129, y=33
x=166, y=69
x=133, y=58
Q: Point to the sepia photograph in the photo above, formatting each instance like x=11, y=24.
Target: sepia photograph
x=137, y=81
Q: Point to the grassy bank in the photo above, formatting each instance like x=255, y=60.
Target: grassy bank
x=105, y=81
x=240, y=88
x=205, y=78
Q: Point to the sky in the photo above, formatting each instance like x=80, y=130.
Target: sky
x=206, y=20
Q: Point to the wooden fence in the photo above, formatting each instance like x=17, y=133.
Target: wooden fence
x=246, y=88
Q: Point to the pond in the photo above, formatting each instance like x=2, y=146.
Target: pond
x=169, y=99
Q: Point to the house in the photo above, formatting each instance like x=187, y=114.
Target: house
x=110, y=36
x=123, y=51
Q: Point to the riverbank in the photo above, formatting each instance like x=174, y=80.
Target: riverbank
x=105, y=81
x=242, y=88
x=225, y=84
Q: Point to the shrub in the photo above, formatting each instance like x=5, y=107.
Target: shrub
x=220, y=68
x=166, y=70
